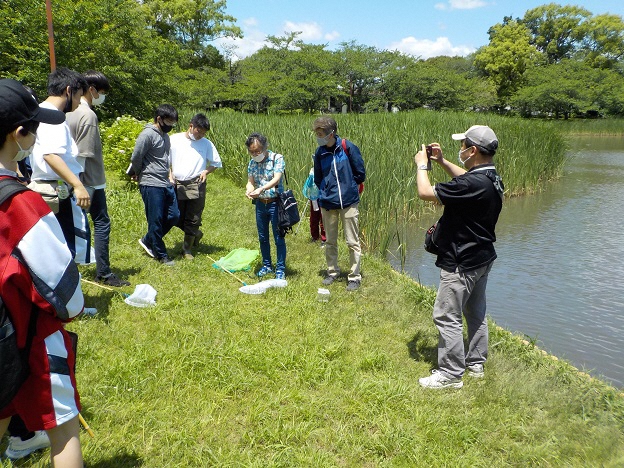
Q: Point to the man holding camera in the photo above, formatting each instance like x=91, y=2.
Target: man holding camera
x=472, y=203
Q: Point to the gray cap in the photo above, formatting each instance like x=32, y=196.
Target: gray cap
x=480, y=135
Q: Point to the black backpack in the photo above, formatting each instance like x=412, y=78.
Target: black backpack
x=287, y=211
x=14, y=367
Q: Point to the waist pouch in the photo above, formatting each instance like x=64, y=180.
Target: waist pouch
x=190, y=189
x=47, y=190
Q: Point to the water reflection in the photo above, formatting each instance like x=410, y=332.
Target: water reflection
x=557, y=278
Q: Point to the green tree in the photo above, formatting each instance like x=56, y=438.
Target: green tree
x=506, y=58
x=193, y=24
x=603, y=44
x=563, y=89
x=557, y=30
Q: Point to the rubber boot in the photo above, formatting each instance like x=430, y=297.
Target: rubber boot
x=198, y=238
x=188, y=243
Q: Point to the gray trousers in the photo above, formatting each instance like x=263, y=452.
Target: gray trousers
x=461, y=294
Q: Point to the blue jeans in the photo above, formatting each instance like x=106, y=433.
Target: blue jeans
x=265, y=214
x=101, y=231
x=161, y=211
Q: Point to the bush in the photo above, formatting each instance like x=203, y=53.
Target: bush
x=118, y=143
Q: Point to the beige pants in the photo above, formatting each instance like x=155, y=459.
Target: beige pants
x=349, y=217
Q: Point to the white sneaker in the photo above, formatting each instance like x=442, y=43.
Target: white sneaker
x=475, y=370
x=438, y=380
x=19, y=448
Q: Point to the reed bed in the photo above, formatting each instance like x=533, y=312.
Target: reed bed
x=592, y=126
x=531, y=152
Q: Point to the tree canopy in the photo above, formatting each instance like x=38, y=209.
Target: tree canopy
x=556, y=60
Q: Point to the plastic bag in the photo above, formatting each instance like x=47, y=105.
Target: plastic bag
x=262, y=286
x=237, y=260
x=310, y=190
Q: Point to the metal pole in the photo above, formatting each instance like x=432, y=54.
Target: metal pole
x=50, y=35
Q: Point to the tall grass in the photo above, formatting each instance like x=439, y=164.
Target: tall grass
x=591, y=126
x=531, y=152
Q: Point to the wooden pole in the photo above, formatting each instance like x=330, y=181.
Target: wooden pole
x=50, y=35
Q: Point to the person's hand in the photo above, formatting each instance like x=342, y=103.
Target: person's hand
x=202, y=176
x=82, y=196
x=255, y=193
x=436, y=152
x=421, y=157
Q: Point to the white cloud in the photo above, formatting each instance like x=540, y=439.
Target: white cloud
x=250, y=22
x=426, y=48
x=309, y=31
x=460, y=5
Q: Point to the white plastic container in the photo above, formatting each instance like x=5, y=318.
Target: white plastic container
x=323, y=295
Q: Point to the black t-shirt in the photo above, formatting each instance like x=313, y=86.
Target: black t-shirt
x=472, y=203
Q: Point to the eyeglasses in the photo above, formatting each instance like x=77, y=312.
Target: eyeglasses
x=256, y=153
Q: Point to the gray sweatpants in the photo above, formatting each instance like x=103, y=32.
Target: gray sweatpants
x=461, y=294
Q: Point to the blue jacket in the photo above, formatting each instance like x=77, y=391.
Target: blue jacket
x=337, y=175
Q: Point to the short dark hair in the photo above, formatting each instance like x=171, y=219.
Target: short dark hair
x=483, y=150
x=166, y=111
x=97, y=79
x=259, y=137
x=201, y=121
x=61, y=78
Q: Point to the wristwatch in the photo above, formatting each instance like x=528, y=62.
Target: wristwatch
x=423, y=167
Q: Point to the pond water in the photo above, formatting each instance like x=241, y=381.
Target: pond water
x=560, y=263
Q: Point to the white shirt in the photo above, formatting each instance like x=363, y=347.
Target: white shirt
x=190, y=157
x=53, y=139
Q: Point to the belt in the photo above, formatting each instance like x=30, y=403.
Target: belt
x=266, y=201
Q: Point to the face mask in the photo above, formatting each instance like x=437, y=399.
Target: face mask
x=258, y=158
x=98, y=100
x=69, y=103
x=165, y=128
x=191, y=136
x=23, y=153
x=323, y=141
x=462, y=162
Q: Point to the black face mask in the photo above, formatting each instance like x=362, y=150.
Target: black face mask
x=68, y=104
x=165, y=128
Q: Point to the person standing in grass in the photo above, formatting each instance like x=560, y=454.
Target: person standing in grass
x=193, y=157
x=338, y=172
x=55, y=169
x=39, y=281
x=84, y=127
x=472, y=202
x=151, y=164
x=264, y=182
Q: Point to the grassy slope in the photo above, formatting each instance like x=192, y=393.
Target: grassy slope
x=211, y=376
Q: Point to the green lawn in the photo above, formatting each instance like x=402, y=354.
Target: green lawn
x=214, y=377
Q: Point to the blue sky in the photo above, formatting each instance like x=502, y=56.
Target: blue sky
x=420, y=28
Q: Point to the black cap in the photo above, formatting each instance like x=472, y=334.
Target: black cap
x=18, y=106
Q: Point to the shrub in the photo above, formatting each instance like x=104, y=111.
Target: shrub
x=118, y=143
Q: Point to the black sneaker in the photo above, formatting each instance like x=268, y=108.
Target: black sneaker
x=329, y=280
x=112, y=280
x=353, y=286
x=166, y=261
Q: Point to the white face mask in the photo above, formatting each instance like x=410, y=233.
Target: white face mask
x=23, y=153
x=322, y=141
x=191, y=136
x=259, y=157
x=99, y=100
x=462, y=162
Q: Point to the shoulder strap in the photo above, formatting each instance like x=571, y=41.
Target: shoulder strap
x=344, y=146
x=8, y=188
